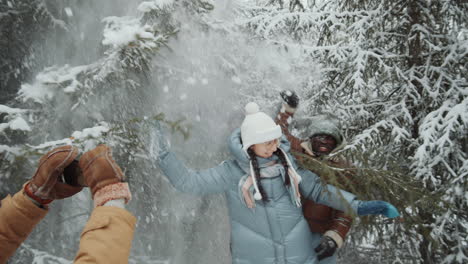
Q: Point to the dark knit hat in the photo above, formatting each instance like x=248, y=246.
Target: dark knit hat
x=325, y=124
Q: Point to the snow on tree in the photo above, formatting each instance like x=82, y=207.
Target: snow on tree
x=24, y=26
x=109, y=100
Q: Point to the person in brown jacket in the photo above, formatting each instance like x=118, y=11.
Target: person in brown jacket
x=324, y=137
x=108, y=234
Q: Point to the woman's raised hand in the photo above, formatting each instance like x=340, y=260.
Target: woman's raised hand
x=159, y=142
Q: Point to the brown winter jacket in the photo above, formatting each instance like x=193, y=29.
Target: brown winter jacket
x=322, y=219
x=106, y=238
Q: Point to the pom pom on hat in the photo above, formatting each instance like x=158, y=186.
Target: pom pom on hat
x=251, y=108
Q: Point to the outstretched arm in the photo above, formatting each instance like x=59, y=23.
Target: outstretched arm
x=285, y=115
x=18, y=217
x=213, y=180
x=312, y=188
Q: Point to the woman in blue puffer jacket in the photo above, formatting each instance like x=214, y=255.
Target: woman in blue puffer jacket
x=262, y=185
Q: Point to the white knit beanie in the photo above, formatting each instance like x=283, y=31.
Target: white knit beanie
x=257, y=127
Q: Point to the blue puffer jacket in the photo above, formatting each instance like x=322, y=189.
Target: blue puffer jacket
x=274, y=231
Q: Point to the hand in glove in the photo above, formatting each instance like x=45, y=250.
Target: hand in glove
x=377, y=208
x=159, y=144
x=46, y=184
x=103, y=176
x=326, y=248
x=290, y=99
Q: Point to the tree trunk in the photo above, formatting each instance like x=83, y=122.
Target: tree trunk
x=415, y=59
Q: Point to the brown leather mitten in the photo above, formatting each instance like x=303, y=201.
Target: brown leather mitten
x=103, y=176
x=46, y=184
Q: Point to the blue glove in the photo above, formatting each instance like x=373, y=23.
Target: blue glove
x=377, y=208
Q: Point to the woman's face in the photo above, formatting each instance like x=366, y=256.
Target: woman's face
x=266, y=149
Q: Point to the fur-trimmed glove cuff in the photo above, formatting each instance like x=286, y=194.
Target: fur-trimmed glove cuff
x=336, y=237
x=112, y=192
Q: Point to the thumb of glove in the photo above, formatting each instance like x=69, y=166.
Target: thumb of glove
x=320, y=249
x=377, y=208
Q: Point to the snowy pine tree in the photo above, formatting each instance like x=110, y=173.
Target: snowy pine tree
x=393, y=71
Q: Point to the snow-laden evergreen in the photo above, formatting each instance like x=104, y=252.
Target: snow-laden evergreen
x=393, y=71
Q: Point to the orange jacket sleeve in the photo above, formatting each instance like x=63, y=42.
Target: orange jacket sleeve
x=341, y=224
x=18, y=217
x=107, y=237
x=282, y=119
